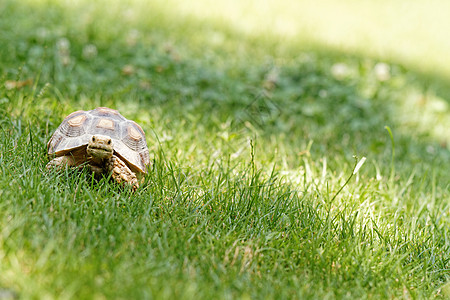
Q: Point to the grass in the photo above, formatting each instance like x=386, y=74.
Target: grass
x=252, y=141
x=400, y=31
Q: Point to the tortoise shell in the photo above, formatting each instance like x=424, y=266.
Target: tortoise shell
x=128, y=138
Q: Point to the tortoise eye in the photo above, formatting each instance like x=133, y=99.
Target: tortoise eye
x=109, y=142
x=93, y=139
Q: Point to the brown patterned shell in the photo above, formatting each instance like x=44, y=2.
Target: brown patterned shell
x=78, y=128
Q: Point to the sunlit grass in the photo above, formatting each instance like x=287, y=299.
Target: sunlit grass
x=413, y=33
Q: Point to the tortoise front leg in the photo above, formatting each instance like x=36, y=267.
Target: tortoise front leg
x=121, y=173
x=61, y=162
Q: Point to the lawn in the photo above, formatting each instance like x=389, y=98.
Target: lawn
x=255, y=128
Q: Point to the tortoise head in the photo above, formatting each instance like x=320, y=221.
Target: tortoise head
x=100, y=147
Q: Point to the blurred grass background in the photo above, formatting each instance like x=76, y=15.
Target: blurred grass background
x=412, y=33
x=274, y=33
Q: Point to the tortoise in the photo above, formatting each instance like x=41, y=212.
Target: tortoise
x=103, y=140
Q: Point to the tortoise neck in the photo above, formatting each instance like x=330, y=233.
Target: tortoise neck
x=98, y=161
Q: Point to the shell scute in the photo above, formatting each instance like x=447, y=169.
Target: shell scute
x=133, y=137
x=105, y=124
x=77, y=121
x=68, y=129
